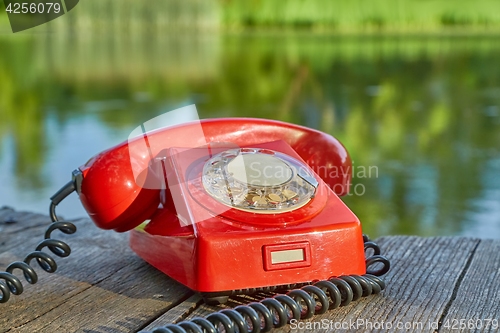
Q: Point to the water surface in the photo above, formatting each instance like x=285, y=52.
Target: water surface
x=421, y=113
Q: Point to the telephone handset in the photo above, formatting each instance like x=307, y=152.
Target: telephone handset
x=260, y=197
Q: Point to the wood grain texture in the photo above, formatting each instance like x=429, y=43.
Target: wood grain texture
x=477, y=299
x=15, y=232
x=176, y=314
x=104, y=287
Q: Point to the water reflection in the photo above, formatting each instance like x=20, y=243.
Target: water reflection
x=423, y=111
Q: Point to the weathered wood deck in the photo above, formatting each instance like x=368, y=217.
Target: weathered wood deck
x=104, y=287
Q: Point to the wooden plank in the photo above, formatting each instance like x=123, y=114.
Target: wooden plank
x=177, y=313
x=18, y=227
x=476, y=302
x=101, y=286
x=12, y=221
x=121, y=303
x=74, y=275
x=419, y=286
x=104, y=287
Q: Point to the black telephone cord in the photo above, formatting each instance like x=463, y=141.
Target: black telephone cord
x=13, y=284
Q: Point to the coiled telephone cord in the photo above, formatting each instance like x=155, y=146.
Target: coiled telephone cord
x=13, y=284
x=297, y=304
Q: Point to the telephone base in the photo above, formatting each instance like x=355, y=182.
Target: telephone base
x=212, y=250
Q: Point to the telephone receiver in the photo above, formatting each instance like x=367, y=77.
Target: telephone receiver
x=251, y=205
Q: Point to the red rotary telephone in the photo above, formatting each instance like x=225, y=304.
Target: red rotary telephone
x=261, y=198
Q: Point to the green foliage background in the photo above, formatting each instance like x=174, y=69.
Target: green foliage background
x=342, y=16
x=363, y=15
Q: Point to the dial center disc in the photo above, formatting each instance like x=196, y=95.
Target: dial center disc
x=259, y=170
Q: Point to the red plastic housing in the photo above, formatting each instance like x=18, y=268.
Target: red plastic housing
x=236, y=249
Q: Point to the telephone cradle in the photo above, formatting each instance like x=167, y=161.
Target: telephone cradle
x=250, y=205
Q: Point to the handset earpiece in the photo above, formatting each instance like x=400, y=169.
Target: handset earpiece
x=113, y=197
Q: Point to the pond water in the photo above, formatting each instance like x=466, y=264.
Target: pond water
x=419, y=115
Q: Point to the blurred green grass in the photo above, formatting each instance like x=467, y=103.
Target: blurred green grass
x=363, y=15
x=341, y=16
